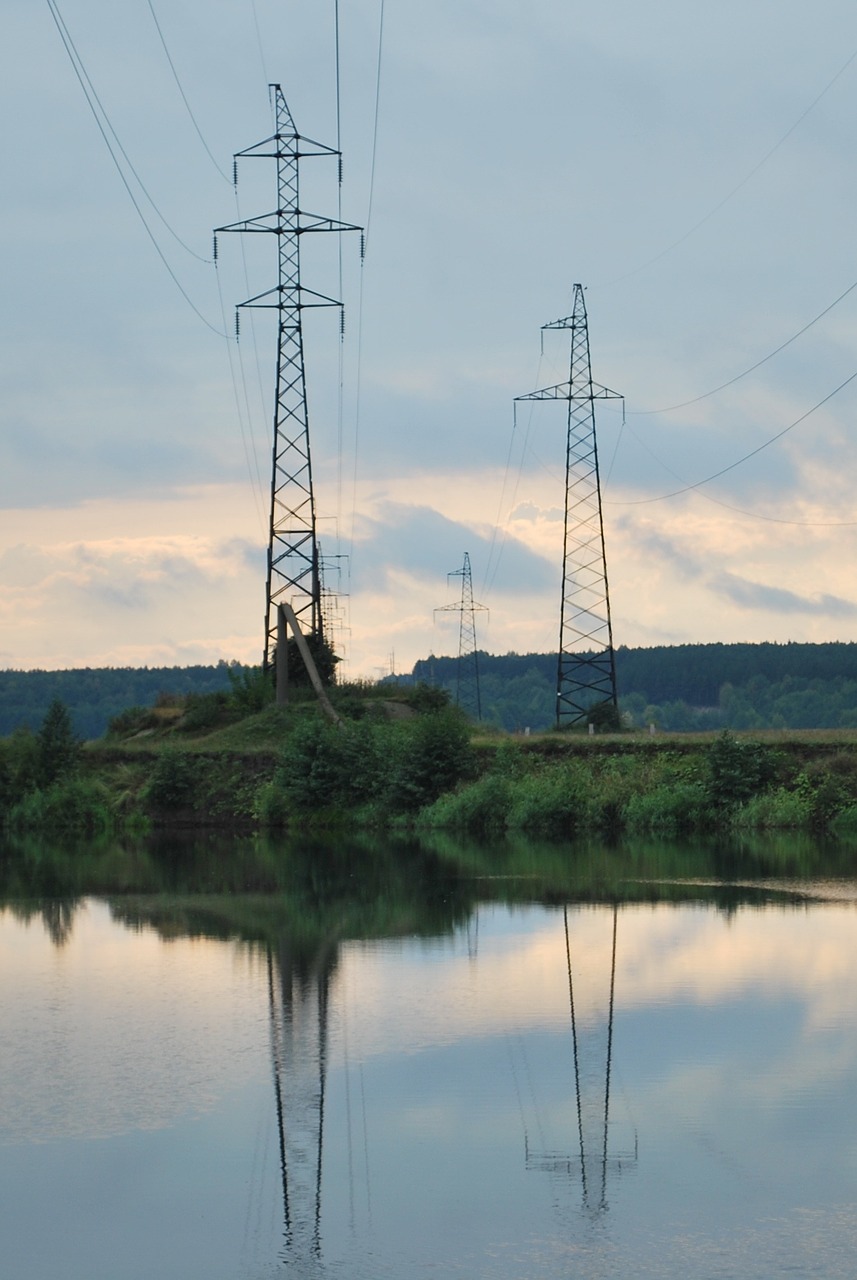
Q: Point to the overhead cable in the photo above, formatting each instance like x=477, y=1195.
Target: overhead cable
x=83, y=79
x=752, y=173
x=636, y=502
x=180, y=88
x=642, y=413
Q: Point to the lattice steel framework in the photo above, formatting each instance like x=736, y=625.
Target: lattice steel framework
x=293, y=558
x=467, y=693
x=586, y=667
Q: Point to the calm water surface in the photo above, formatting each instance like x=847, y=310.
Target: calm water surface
x=635, y=1088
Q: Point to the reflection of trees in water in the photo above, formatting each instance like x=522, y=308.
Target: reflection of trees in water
x=57, y=915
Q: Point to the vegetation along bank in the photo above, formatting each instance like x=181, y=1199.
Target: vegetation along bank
x=404, y=758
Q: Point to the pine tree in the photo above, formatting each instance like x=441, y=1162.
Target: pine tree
x=59, y=746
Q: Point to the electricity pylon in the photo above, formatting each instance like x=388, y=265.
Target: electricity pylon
x=293, y=559
x=586, y=666
x=467, y=693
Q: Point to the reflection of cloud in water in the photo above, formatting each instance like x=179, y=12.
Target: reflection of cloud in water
x=125, y=1037
x=693, y=955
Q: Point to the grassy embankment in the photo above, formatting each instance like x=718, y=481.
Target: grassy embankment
x=225, y=760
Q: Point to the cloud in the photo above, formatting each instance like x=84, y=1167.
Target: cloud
x=423, y=543
x=757, y=595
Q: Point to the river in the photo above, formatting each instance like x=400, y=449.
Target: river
x=383, y=1061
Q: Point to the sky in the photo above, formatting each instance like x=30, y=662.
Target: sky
x=691, y=167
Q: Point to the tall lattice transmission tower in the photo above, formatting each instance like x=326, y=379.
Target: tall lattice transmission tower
x=586, y=666
x=293, y=573
x=467, y=692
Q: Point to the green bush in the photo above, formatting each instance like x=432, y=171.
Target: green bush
x=552, y=802
x=670, y=807
x=204, y=711
x=72, y=805
x=327, y=766
x=778, y=808
x=174, y=780
x=133, y=720
x=480, y=808
x=250, y=688
x=738, y=769
x=431, y=755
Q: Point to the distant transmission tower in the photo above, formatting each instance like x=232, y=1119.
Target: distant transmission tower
x=467, y=694
x=586, y=667
x=293, y=557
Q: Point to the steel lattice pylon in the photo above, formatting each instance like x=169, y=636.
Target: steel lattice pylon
x=586, y=668
x=293, y=558
x=467, y=694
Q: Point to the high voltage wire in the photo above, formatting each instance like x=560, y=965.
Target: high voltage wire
x=688, y=488
x=88, y=89
x=364, y=250
x=641, y=413
x=734, y=191
x=180, y=88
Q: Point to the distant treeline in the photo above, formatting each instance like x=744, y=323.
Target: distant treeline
x=94, y=695
x=677, y=687
x=680, y=687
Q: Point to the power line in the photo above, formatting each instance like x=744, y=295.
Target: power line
x=193, y=119
x=728, y=506
x=364, y=245
x=89, y=89
x=83, y=79
x=641, y=413
x=635, y=502
x=752, y=173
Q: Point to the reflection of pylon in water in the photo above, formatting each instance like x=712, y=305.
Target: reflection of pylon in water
x=591, y=991
x=299, y=1018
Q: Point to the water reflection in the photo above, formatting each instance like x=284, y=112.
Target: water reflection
x=299, y=1003
x=367, y=1064
x=591, y=1031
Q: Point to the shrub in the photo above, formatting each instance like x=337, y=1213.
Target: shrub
x=433, y=754
x=72, y=805
x=480, y=808
x=173, y=781
x=552, y=802
x=250, y=688
x=133, y=720
x=774, y=809
x=327, y=766
x=737, y=769
x=668, y=808
x=205, y=711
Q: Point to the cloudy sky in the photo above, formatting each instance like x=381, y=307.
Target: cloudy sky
x=692, y=166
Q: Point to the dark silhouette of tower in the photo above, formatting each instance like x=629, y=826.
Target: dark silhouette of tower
x=467, y=691
x=586, y=668
x=293, y=572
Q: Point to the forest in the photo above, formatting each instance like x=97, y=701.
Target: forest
x=678, y=688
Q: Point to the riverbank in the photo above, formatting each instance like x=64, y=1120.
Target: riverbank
x=414, y=763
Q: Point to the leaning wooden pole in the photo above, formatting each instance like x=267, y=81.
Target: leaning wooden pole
x=286, y=617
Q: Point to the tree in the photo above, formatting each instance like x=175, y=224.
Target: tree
x=58, y=745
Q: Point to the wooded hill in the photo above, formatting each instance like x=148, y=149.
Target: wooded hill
x=680, y=687
x=94, y=695
x=677, y=687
